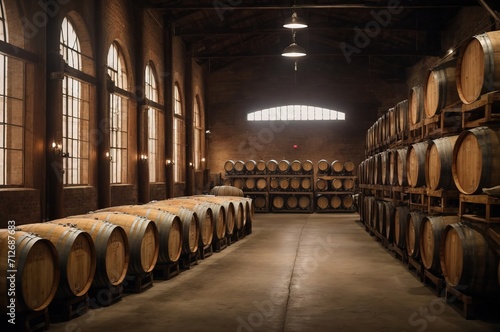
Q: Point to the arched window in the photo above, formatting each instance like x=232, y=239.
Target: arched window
x=179, y=127
x=118, y=115
x=155, y=128
x=76, y=100
x=295, y=113
x=198, y=130
x=12, y=113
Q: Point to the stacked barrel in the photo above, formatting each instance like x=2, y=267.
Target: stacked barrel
x=429, y=190
x=277, y=186
x=335, y=186
x=89, y=260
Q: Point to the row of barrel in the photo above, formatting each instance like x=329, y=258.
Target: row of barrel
x=334, y=202
x=289, y=202
x=270, y=167
x=461, y=252
x=262, y=183
x=65, y=258
x=468, y=162
x=451, y=83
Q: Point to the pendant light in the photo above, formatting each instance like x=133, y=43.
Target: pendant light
x=295, y=22
x=293, y=50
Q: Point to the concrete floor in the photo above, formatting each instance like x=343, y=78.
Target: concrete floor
x=296, y=272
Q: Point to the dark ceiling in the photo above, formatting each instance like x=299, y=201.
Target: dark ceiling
x=395, y=34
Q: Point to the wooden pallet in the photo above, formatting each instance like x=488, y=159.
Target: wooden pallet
x=138, y=283
x=415, y=265
x=443, y=201
x=483, y=111
x=219, y=245
x=61, y=310
x=166, y=271
x=417, y=200
x=399, y=194
x=480, y=202
x=416, y=132
x=205, y=252
x=187, y=261
x=446, y=123
x=27, y=321
x=434, y=282
x=105, y=296
x=399, y=254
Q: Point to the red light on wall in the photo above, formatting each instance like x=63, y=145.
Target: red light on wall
x=295, y=146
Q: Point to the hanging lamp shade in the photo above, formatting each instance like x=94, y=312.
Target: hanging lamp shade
x=295, y=22
x=293, y=51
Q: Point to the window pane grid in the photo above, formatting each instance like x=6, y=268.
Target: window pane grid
x=197, y=134
x=295, y=113
x=70, y=45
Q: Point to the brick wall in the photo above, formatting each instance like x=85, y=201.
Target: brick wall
x=20, y=205
x=79, y=200
x=123, y=194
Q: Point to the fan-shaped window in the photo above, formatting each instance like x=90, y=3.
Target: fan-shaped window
x=155, y=132
x=295, y=113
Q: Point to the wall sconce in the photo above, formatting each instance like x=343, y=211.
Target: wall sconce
x=190, y=164
x=203, y=159
x=169, y=162
x=109, y=156
x=144, y=158
x=57, y=148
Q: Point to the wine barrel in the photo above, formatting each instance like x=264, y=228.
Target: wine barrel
x=380, y=218
x=295, y=183
x=370, y=210
x=296, y=167
x=337, y=184
x=349, y=166
x=402, y=116
x=337, y=167
x=77, y=256
x=401, y=166
x=391, y=123
x=478, y=67
x=250, y=167
x=239, y=183
x=242, y=211
x=292, y=202
x=377, y=171
x=272, y=166
x=400, y=225
x=284, y=183
x=335, y=202
x=250, y=184
x=385, y=167
x=229, y=167
x=260, y=202
x=323, y=166
x=416, y=104
x=413, y=234
x=143, y=239
x=415, y=164
x=389, y=212
x=239, y=167
x=348, y=184
x=321, y=184
x=227, y=182
x=278, y=202
x=322, y=202
x=476, y=160
x=228, y=211
x=261, y=167
x=261, y=184
x=348, y=202
x=111, y=246
x=305, y=184
x=304, y=202
x=440, y=88
x=284, y=167
x=467, y=261
x=226, y=191
x=274, y=183
x=393, y=167
x=307, y=167
x=37, y=264
x=438, y=163
x=169, y=229
x=431, y=233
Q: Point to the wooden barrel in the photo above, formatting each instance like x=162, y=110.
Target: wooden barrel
x=385, y=165
x=321, y=184
x=284, y=183
x=467, y=261
x=440, y=88
x=305, y=184
x=272, y=166
x=261, y=167
x=431, y=233
x=77, y=256
x=307, y=167
x=169, y=229
x=292, y=202
x=322, y=202
x=274, y=183
x=261, y=184
x=239, y=183
x=229, y=167
x=348, y=184
x=413, y=234
x=284, y=167
x=227, y=182
x=304, y=202
x=239, y=167
x=278, y=202
x=370, y=210
x=37, y=264
x=438, y=163
x=415, y=164
x=401, y=111
x=337, y=184
x=295, y=183
x=241, y=212
x=389, y=212
x=260, y=202
x=335, y=202
x=476, y=160
x=143, y=239
x=111, y=246
x=250, y=184
x=250, y=166
x=347, y=202
x=401, y=167
x=222, y=216
x=204, y=212
x=226, y=191
x=400, y=225
x=380, y=218
x=377, y=170
x=349, y=166
x=478, y=67
x=393, y=168
x=416, y=104
x=296, y=167
x=337, y=167
x=323, y=166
